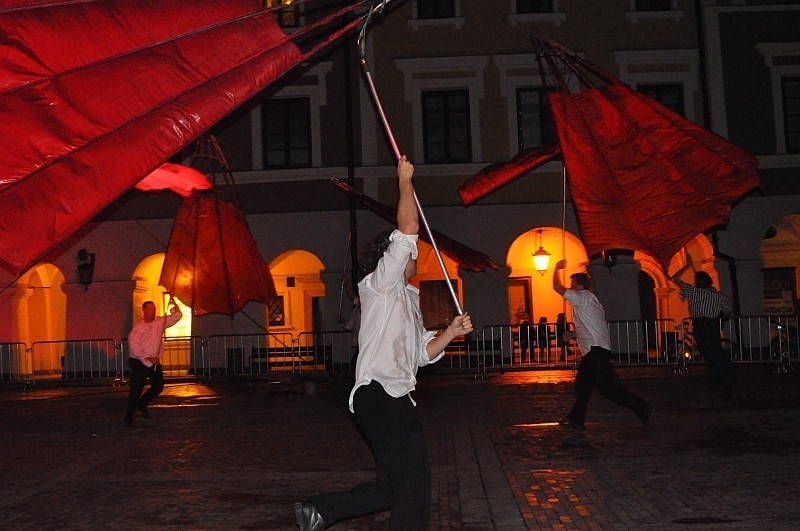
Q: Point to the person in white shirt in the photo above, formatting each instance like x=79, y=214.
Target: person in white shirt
x=145, y=346
x=393, y=345
x=595, y=370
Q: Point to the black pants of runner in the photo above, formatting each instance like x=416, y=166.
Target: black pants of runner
x=139, y=376
x=709, y=342
x=595, y=371
x=403, y=473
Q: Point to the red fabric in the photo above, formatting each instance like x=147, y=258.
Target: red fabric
x=466, y=257
x=642, y=177
x=212, y=263
x=181, y=179
x=496, y=176
x=94, y=95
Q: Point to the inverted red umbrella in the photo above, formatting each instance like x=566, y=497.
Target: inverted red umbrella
x=84, y=115
x=466, y=257
x=641, y=176
x=212, y=263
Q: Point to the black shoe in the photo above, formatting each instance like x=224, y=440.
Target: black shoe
x=128, y=422
x=307, y=517
x=647, y=421
x=571, y=425
x=144, y=412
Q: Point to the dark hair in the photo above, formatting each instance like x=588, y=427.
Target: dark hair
x=582, y=279
x=373, y=252
x=145, y=303
x=703, y=280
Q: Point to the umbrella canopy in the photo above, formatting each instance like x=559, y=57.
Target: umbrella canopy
x=212, y=262
x=84, y=115
x=641, y=176
x=466, y=257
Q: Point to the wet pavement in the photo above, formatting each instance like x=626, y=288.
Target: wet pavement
x=237, y=455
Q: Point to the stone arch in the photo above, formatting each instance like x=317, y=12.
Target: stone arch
x=40, y=316
x=531, y=292
x=298, y=306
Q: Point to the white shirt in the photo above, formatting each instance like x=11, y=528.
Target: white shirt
x=144, y=341
x=591, y=327
x=392, y=340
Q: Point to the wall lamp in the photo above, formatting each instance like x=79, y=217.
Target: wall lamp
x=85, y=261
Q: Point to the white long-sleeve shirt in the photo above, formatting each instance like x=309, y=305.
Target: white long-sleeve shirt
x=392, y=340
x=591, y=327
x=144, y=341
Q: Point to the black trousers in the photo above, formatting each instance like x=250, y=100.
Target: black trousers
x=595, y=371
x=139, y=376
x=709, y=342
x=403, y=473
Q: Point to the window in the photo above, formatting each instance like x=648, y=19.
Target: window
x=287, y=16
x=791, y=113
x=436, y=9
x=653, y=5
x=670, y=95
x=287, y=133
x=446, y=127
x=277, y=317
x=534, y=6
x=534, y=121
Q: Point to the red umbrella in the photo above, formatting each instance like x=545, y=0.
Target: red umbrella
x=641, y=176
x=84, y=115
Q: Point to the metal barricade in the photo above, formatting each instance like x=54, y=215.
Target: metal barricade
x=15, y=364
x=79, y=359
x=329, y=351
x=181, y=357
x=250, y=354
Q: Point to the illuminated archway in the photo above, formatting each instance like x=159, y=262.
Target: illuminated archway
x=530, y=292
x=40, y=316
x=147, y=275
x=298, y=306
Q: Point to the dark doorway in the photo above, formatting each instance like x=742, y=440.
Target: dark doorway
x=647, y=306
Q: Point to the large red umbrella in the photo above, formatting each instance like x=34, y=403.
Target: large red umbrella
x=641, y=176
x=96, y=94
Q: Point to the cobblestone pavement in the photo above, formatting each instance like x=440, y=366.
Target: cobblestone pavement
x=236, y=455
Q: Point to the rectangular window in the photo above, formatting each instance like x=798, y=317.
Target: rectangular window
x=446, y=126
x=653, y=5
x=287, y=133
x=436, y=8
x=791, y=113
x=289, y=15
x=534, y=120
x=670, y=95
x=534, y=6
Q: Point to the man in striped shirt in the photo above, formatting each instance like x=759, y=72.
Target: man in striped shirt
x=706, y=307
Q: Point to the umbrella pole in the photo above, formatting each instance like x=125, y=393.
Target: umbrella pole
x=368, y=75
x=344, y=270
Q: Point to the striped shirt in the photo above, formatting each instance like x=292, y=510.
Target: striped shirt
x=705, y=302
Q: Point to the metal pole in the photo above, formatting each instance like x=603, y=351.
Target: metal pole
x=396, y=149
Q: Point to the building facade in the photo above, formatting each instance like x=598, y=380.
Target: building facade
x=460, y=86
